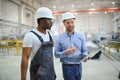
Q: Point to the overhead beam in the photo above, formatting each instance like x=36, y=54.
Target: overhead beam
x=89, y=10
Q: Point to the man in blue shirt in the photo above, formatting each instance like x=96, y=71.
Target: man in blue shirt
x=71, y=48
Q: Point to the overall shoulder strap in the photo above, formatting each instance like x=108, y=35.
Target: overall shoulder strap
x=50, y=37
x=40, y=38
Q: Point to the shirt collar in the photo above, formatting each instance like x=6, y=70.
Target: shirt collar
x=69, y=34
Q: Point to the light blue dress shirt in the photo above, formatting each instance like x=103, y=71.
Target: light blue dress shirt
x=76, y=40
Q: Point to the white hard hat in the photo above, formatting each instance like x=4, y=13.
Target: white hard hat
x=67, y=15
x=44, y=12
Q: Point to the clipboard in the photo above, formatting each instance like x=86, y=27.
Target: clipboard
x=93, y=53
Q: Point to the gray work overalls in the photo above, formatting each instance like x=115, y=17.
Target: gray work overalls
x=42, y=67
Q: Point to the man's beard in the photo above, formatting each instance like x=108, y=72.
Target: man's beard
x=47, y=27
x=70, y=30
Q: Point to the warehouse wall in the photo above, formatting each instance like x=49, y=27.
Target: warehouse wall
x=16, y=16
x=116, y=22
x=23, y=12
x=93, y=23
x=18, y=11
x=0, y=8
x=9, y=11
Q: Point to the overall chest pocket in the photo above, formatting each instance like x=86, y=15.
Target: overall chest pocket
x=47, y=51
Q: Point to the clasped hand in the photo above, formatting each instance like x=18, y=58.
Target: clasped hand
x=70, y=50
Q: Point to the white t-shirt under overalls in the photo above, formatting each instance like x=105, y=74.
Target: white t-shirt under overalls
x=31, y=40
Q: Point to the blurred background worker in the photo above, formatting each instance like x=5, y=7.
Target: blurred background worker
x=38, y=45
x=71, y=49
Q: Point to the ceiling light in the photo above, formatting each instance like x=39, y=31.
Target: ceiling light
x=76, y=13
x=92, y=9
x=72, y=5
x=92, y=4
x=105, y=12
x=90, y=13
x=113, y=2
x=54, y=6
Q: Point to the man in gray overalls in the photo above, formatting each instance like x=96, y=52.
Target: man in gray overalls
x=38, y=45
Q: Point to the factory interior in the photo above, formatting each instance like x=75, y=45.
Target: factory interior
x=98, y=20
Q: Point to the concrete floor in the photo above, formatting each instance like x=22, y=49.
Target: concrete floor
x=101, y=69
